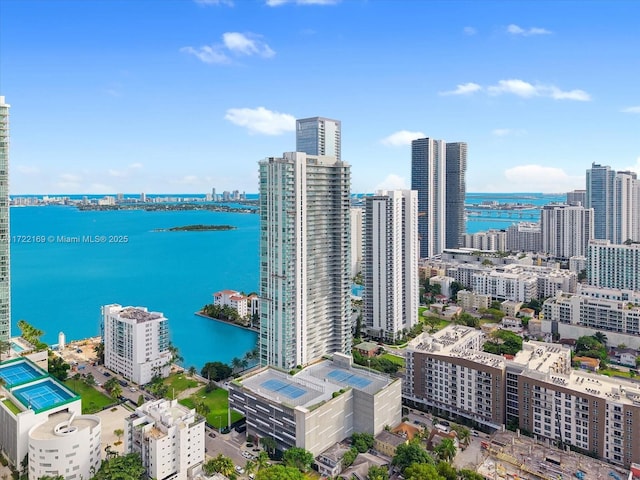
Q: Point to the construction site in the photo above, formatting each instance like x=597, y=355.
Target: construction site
x=517, y=457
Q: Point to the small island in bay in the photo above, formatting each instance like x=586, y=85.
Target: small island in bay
x=197, y=228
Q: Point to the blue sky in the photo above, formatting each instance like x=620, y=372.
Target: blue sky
x=186, y=95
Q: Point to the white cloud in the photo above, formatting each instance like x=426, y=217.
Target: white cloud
x=631, y=109
x=392, y=182
x=463, y=89
x=214, y=2
x=27, y=170
x=277, y=3
x=538, y=178
x=402, y=137
x=238, y=44
x=68, y=181
x=503, y=132
x=525, y=89
x=636, y=167
x=101, y=188
x=127, y=172
x=208, y=54
x=469, y=31
x=246, y=44
x=261, y=120
x=517, y=30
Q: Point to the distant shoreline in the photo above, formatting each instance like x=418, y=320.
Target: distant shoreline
x=197, y=228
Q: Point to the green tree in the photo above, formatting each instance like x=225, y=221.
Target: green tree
x=118, y=432
x=140, y=400
x=454, y=288
x=5, y=346
x=48, y=477
x=446, y=450
x=409, y=453
x=269, y=444
x=502, y=342
x=76, y=378
x=126, y=467
x=298, y=458
x=216, y=371
x=99, y=351
x=432, y=322
x=463, y=434
x=601, y=337
x=192, y=370
x=349, y=457
x=250, y=467
x=362, y=441
x=279, y=472
x=262, y=460
x=421, y=471
x=116, y=391
x=58, y=367
x=377, y=473
x=446, y=471
x=219, y=464
x=90, y=379
x=235, y=364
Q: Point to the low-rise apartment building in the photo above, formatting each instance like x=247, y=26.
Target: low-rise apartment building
x=169, y=437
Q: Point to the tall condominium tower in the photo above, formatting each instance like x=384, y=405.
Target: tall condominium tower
x=576, y=196
x=600, y=185
x=390, y=267
x=428, y=178
x=318, y=136
x=5, y=283
x=305, y=265
x=626, y=207
x=456, y=161
x=566, y=230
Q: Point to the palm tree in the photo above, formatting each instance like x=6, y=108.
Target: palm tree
x=223, y=465
x=236, y=364
x=250, y=467
x=463, y=434
x=192, y=370
x=118, y=432
x=116, y=391
x=601, y=337
x=446, y=450
x=262, y=460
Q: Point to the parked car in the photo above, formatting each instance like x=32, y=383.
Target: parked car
x=107, y=374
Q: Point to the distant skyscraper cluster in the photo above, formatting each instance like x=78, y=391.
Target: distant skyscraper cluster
x=438, y=172
x=5, y=279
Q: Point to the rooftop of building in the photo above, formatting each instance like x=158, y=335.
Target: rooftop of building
x=32, y=388
x=63, y=424
x=139, y=314
x=166, y=413
x=390, y=438
x=314, y=384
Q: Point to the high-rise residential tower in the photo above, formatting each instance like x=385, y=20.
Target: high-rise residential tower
x=5, y=281
x=626, y=207
x=600, y=185
x=390, y=266
x=318, y=136
x=566, y=230
x=428, y=178
x=456, y=161
x=305, y=265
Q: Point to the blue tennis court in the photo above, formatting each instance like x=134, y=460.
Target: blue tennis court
x=284, y=388
x=19, y=372
x=348, y=378
x=42, y=395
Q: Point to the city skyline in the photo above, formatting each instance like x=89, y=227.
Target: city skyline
x=180, y=96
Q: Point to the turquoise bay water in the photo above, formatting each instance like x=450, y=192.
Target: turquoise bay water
x=61, y=286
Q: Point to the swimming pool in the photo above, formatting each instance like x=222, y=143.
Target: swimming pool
x=16, y=348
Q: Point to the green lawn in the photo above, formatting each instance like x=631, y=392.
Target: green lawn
x=179, y=382
x=92, y=400
x=218, y=402
x=11, y=406
x=613, y=372
x=393, y=358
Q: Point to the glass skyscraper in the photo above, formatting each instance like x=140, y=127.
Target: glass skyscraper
x=456, y=161
x=600, y=184
x=5, y=281
x=305, y=265
x=318, y=136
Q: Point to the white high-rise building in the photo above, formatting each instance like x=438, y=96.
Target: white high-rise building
x=305, y=261
x=613, y=266
x=391, y=286
x=626, y=207
x=428, y=178
x=5, y=279
x=169, y=437
x=319, y=136
x=566, y=230
x=356, y=240
x=136, y=342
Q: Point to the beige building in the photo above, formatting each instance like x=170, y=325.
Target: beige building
x=320, y=405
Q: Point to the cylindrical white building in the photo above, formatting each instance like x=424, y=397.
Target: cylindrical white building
x=66, y=445
x=61, y=341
